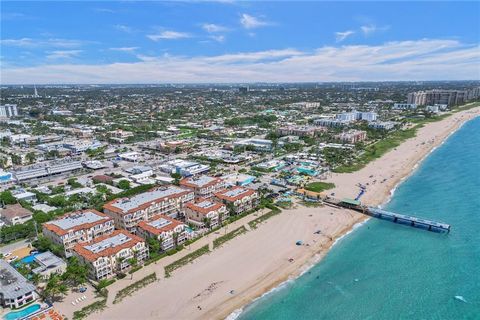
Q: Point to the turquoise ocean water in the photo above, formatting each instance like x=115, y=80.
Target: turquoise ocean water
x=387, y=271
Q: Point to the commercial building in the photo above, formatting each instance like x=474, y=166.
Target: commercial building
x=238, y=179
x=257, y=144
x=110, y=254
x=239, y=199
x=78, y=227
x=47, y=169
x=166, y=200
x=15, y=214
x=15, y=289
x=184, y=168
x=80, y=146
x=203, y=186
x=205, y=213
x=168, y=231
x=299, y=131
x=330, y=122
x=8, y=110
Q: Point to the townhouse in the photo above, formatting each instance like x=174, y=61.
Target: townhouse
x=111, y=254
x=166, y=200
x=239, y=199
x=168, y=231
x=206, y=213
x=78, y=227
x=203, y=186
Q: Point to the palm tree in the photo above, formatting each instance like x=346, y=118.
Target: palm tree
x=54, y=287
x=175, y=238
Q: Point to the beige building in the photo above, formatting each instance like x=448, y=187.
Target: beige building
x=111, y=254
x=352, y=136
x=206, y=213
x=239, y=199
x=166, y=200
x=78, y=227
x=15, y=214
x=203, y=186
x=168, y=231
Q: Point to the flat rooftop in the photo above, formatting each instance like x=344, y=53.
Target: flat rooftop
x=146, y=197
x=159, y=223
x=77, y=219
x=200, y=181
x=107, y=243
x=13, y=284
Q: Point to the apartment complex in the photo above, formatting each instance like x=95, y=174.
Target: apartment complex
x=352, y=136
x=166, y=200
x=203, y=186
x=240, y=199
x=206, y=213
x=8, y=111
x=111, y=254
x=168, y=231
x=78, y=227
x=448, y=97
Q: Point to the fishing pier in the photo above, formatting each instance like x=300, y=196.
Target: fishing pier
x=355, y=205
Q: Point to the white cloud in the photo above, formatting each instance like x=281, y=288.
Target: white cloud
x=52, y=42
x=218, y=38
x=340, y=36
x=371, y=28
x=426, y=59
x=63, y=54
x=125, y=49
x=123, y=28
x=168, y=35
x=213, y=28
x=251, y=22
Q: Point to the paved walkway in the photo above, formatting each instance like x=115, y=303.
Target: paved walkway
x=158, y=267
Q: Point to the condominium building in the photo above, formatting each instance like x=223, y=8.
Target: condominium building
x=352, y=136
x=257, y=144
x=203, y=186
x=168, y=231
x=15, y=289
x=78, y=227
x=206, y=213
x=166, y=200
x=111, y=254
x=448, y=97
x=8, y=111
x=239, y=199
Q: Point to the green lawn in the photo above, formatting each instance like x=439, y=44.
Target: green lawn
x=319, y=186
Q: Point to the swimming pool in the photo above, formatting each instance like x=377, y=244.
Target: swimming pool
x=29, y=259
x=14, y=315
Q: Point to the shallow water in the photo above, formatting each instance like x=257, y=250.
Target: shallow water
x=389, y=271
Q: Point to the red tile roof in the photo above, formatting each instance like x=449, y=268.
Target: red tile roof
x=224, y=196
x=59, y=231
x=92, y=256
x=157, y=231
x=195, y=207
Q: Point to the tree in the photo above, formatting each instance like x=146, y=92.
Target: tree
x=124, y=184
x=6, y=197
x=177, y=176
x=31, y=157
x=16, y=159
x=175, y=238
x=76, y=273
x=207, y=222
x=154, y=245
x=54, y=287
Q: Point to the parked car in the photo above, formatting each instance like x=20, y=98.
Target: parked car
x=6, y=255
x=12, y=259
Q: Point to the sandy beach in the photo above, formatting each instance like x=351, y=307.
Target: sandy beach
x=251, y=264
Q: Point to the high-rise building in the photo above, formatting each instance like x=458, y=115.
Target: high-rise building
x=448, y=97
x=8, y=110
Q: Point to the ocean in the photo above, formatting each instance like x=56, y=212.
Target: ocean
x=384, y=270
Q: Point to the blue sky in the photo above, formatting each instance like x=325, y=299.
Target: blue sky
x=229, y=41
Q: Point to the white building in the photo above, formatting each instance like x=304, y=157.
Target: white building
x=111, y=254
x=8, y=110
x=15, y=289
x=206, y=211
x=203, y=186
x=404, y=106
x=78, y=227
x=166, y=200
x=257, y=144
x=168, y=231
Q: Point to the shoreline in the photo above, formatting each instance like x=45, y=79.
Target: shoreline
x=256, y=263
x=235, y=314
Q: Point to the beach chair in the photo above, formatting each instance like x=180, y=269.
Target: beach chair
x=73, y=303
